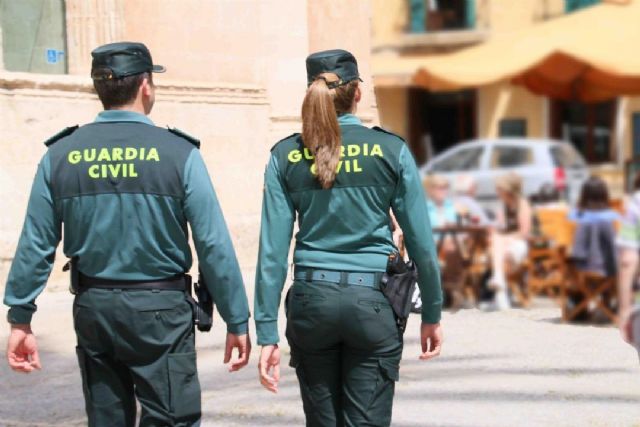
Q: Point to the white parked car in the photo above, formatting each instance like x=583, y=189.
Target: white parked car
x=537, y=161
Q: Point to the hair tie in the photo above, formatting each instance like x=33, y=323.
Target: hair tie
x=331, y=85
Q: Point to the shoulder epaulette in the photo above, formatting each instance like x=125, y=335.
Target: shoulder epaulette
x=181, y=134
x=283, y=139
x=379, y=129
x=64, y=132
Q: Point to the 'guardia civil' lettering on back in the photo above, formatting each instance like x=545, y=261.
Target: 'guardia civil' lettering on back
x=116, y=162
x=348, y=154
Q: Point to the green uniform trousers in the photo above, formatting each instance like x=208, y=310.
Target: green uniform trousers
x=346, y=349
x=137, y=343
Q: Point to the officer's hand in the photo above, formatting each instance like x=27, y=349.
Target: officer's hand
x=269, y=367
x=431, y=340
x=243, y=344
x=22, y=349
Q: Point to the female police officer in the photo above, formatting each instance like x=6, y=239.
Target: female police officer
x=341, y=179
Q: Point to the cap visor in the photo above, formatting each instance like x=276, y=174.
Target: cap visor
x=158, y=69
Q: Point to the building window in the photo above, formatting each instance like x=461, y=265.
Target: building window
x=441, y=15
x=33, y=36
x=510, y=157
x=512, y=128
x=588, y=126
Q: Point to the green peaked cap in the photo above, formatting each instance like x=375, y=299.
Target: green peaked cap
x=337, y=61
x=122, y=59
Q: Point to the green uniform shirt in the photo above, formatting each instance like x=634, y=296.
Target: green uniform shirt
x=345, y=228
x=124, y=191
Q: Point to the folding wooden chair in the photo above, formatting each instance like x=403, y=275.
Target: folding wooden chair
x=591, y=286
x=588, y=293
x=517, y=284
x=544, y=270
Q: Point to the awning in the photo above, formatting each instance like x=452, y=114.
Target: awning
x=591, y=55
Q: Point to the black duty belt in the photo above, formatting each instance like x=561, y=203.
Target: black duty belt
x=179, y=282
x=354, y=278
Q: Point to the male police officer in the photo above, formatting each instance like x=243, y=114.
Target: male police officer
x=124, y=190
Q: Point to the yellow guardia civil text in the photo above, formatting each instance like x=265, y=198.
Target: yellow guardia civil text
x=115, y=162
x=348, y=154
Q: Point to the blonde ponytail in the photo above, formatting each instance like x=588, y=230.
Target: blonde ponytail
x=320, y=129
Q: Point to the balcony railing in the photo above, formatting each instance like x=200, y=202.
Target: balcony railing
x=447, y=22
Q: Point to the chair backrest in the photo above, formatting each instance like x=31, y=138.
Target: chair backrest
x=555, y=225
x=617, y=205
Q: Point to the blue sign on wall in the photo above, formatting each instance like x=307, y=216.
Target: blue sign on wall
x=54, y=56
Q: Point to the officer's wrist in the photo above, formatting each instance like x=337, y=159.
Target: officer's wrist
x=238, y=328
x=26, y=327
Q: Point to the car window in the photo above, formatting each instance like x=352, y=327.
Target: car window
x=467, y=159
x=508, y=157
x=566, y=156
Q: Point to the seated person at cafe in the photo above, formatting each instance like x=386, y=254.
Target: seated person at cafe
x=509, y=245
x=594, y=248
x=594, y=203
x=466, y=204
x=442, y=211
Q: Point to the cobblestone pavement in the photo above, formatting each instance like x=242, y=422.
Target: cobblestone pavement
x=514, y=368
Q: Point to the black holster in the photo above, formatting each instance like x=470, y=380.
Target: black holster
x=202, y=305
x=397, y=286
x=74, y=275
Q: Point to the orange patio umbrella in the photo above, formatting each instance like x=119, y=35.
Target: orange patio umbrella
x=590, y=55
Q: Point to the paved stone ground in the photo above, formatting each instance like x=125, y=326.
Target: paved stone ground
x=514, y=368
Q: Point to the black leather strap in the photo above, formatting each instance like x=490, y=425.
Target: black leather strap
x=179, y=282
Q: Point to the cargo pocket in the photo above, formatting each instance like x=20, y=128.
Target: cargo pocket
x=380, y=405
x=184, y=388
x=84, y=373
x=305, y=391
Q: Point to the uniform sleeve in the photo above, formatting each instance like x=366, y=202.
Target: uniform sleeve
x=410, y=208
x=278, y=216
x=216, y=256
x=36, y=249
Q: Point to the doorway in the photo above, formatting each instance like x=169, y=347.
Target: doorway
x=439, y=120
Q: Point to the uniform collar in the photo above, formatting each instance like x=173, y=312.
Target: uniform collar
x=349, y=119
x=122, y=116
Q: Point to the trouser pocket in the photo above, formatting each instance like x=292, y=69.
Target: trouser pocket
x=381, y=403
x=305, y=391
x=184, y=388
